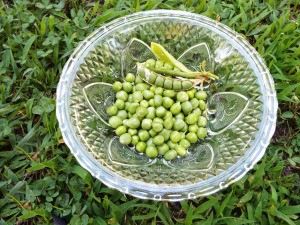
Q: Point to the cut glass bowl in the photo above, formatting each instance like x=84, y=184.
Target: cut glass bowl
x=242, y=105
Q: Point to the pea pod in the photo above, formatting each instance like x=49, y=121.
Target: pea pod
x=167, y=83
x=161, y=53
x=166, y=69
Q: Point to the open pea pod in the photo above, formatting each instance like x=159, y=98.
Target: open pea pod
x=161, y=53
x=167, y=83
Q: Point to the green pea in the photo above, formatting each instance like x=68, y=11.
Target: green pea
x=152, y=133
x=141, y=146
x=143, y=135
x=186, y=107
x=186, y=84
x=157, y=127
x=201, y=133
x=184, y=143
x=202, y=121
x=185, y=128
x=151, y=102
x=117, y=86
x=132, y=131
x=175, y=136
x=160, y=111
x=125, y=122
x=168, y=84
x=138, y=80
x=121, y=130
x=130, y=77
x=197, y=111
x=133, y=123
x=152, y=78
x=191, y=137
x=176, y=108
x=152, y=89
x=158, y=120
x=159, y=64
x=134, y=139
x=126, y=107
x=138, y=117
x=168, y=123
x=201, y=95
x=141, y=71
x=122, y=95
x=193, y=128
x=158, y=140
x=169, y=93
x=191, y=93
x=127, y=87
x=192, y=118
x=162, y=149
x=120, y=104
x=167, y=102
x=158, y=91
x=158, y=100
x=148, y=94
x=130, y=99
x=177, y=85
x=112, y=110
x=178, y=124
x=122, y=114
x=146, y=124
x=133, y=106
x=150, y=63
x=181, y=151
x=159, y=82
x=151, y=113
x=180, y=116
x=170, y=155
x=182, y=135
x=125, y=139
x=202, y=105
x=171, y=144
x=168, y=115
x=149, y=142
x=130, y=115
x=144, y=103
x=195, y=103
x=182, y=96
x=141, y=87
x=166, y=134
x=137, y=96
x=141, y=111
x=115, y=121
x=151, y=151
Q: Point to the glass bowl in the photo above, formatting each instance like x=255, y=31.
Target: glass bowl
x=242, y=105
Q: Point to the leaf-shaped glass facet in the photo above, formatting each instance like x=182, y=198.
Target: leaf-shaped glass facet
x=99, y=96
x=124, y=155
x=195, y=55
x=225, y=109
x=136, y=51
x=199, y=157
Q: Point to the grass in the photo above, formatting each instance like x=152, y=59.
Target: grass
x=41, y=181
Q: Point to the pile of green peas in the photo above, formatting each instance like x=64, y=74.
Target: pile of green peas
x=157, y=122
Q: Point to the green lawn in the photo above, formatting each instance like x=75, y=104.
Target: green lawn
x=38, y=175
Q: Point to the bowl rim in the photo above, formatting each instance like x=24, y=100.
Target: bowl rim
x=166, y=192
